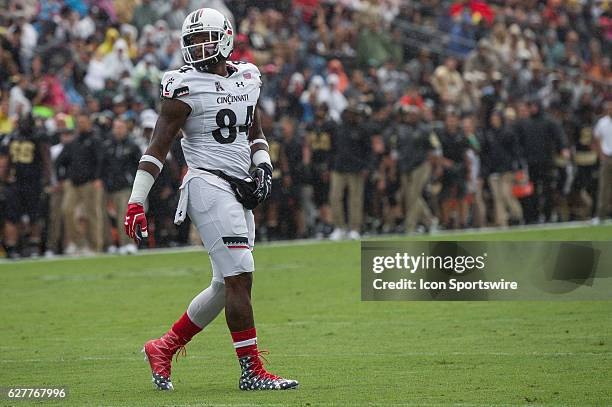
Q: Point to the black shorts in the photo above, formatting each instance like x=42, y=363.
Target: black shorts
x=454, y=183
x=586, y=177
x=320, y=188
x=391, y=191
x=24, y=199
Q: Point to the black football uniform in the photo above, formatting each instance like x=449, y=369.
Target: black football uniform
x=276, y=150
x=319, y=140
x=580, y=133
x=454, y=147
x=25, y=175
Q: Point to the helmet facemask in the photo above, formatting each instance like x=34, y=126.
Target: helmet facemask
x=202, y=46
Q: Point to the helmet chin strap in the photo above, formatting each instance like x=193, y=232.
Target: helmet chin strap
x=204, y=66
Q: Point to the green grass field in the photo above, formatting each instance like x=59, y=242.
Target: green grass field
x=81, y=323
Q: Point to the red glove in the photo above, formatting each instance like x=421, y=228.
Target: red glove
x=135, y=217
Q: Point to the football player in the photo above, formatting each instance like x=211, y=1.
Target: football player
x=29, y=173
x=214, y=102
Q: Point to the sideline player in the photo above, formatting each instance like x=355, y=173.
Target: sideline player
x=29, y=165
x=214, y=102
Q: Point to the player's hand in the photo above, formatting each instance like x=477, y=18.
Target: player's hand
x=134, y=218
x=263, y=178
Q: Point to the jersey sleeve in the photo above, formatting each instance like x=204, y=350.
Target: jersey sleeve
x=175, y=86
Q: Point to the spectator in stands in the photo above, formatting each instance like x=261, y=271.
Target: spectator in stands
x=483, y=59
x=117, y=63
x=146, y=69
x=177, y=13
x=19, y=104
x=552, y=49
x=8, y=65
x=145, y=13
x=447, y=81
x=242, y=51
x=374, y=46
x=310, y=97
x=333, y=97
x=7, y=122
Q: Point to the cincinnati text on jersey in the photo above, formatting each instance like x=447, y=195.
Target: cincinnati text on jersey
x=229, y=99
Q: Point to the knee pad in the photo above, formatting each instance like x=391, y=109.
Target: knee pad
x=231, y=256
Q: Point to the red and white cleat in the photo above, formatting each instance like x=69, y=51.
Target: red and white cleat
x=159, y=353
x=255, y=377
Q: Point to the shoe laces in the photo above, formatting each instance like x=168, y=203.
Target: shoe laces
x=258, y=368
x=174, y=346
x=182, y=350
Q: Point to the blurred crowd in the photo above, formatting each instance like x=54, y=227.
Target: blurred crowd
x=389, y=116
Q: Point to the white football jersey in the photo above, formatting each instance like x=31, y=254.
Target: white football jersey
x=222, y=110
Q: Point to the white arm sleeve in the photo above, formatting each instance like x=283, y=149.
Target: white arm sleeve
x=142, y=185
x=261, y=156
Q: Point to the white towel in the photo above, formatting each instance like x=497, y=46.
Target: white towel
x=181, y=209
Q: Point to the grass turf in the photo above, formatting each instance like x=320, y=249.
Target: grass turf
x=81, y=323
